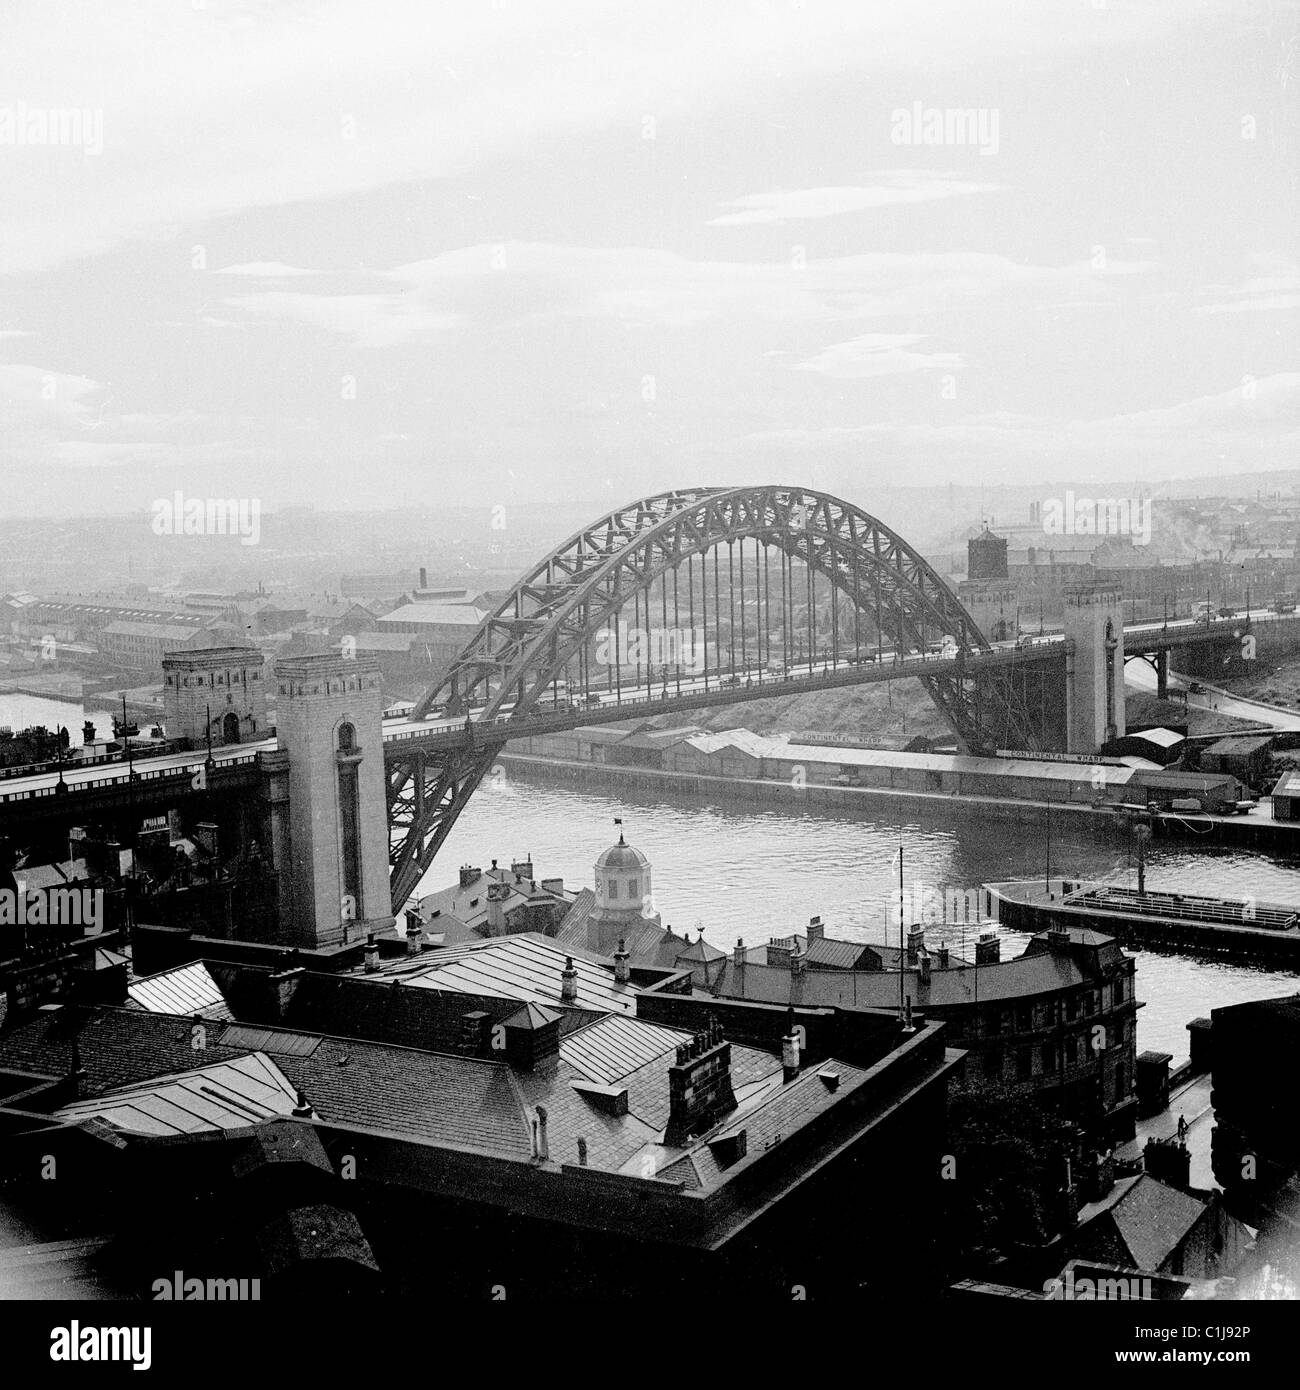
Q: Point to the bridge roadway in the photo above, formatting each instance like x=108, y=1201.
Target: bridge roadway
x=158, y=778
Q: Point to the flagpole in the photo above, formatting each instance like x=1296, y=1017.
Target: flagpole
x=902, y=953
x=1047, y=867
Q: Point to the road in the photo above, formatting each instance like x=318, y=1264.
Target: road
x=1215, y=698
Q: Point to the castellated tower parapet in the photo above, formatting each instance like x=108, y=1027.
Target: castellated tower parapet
x=329, y=712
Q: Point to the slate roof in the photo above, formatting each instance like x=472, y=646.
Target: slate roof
x=613, y=1047
x=875, y=989
x=441, y=1099
x=162, y=630
x=1149, y=1217
x=700, y=950
x=831, y=954
x=524, y=966
x=450, y=1101
x=223, y=1095
x=469, y=903
x=648, y=943
x=189, y=989
x=436, y=614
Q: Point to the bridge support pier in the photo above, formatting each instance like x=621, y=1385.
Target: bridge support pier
x=1162, y=675
x=329, y=724
x=1094, y=687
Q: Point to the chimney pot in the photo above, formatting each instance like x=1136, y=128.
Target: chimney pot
x=569, y=982
x=582, y=1153
x=738, y=956
x=543, y=1149
x=621, y=971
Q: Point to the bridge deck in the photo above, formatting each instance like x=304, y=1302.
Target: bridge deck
x=402, y=735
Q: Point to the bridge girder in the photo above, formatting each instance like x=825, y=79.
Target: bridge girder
x=556, y=609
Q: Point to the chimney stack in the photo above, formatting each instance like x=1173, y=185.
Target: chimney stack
x=543, y=1148
x=915, y=940
x=738, y=955
x=372, y=954
x=569, y=983
x=303, y=1109
x=923, y=965
x=790, y=1050
x=582, y=1153
x=413, y=930
x=816, y=930
x=76, y=1073
x=942, y=954
x=797, y=959
x=621, y=971
x=424, y=578
x=88, y=732
x=988, y=949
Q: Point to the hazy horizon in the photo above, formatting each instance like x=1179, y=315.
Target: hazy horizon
x=497, y=255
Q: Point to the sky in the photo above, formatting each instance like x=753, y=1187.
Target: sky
x=367, y=254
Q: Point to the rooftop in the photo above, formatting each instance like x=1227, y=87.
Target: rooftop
x=223, y=1095
x=1149, y=1217
x=436, y=614
x=524, y=966
x=188, y=989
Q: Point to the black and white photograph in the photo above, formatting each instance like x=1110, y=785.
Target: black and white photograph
x=649, y=662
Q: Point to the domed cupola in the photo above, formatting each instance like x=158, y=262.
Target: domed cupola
x=622, y=880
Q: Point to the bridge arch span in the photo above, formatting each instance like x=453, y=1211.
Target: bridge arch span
x=547, y=623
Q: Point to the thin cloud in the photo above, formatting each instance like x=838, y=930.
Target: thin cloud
x=878, y=354
x=891, y=189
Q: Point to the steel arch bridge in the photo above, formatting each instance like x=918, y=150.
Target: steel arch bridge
x=652, y=556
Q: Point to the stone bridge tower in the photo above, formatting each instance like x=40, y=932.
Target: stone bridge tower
x=1094, y=680
x=217, y=690
x=328, y=719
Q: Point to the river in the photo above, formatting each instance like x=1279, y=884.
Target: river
x=27, y=711
x=740, y=872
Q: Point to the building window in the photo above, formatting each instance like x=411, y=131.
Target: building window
x=613, y=888
x=1049, y=1057
x=1024, y=1064
x=632, y=888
